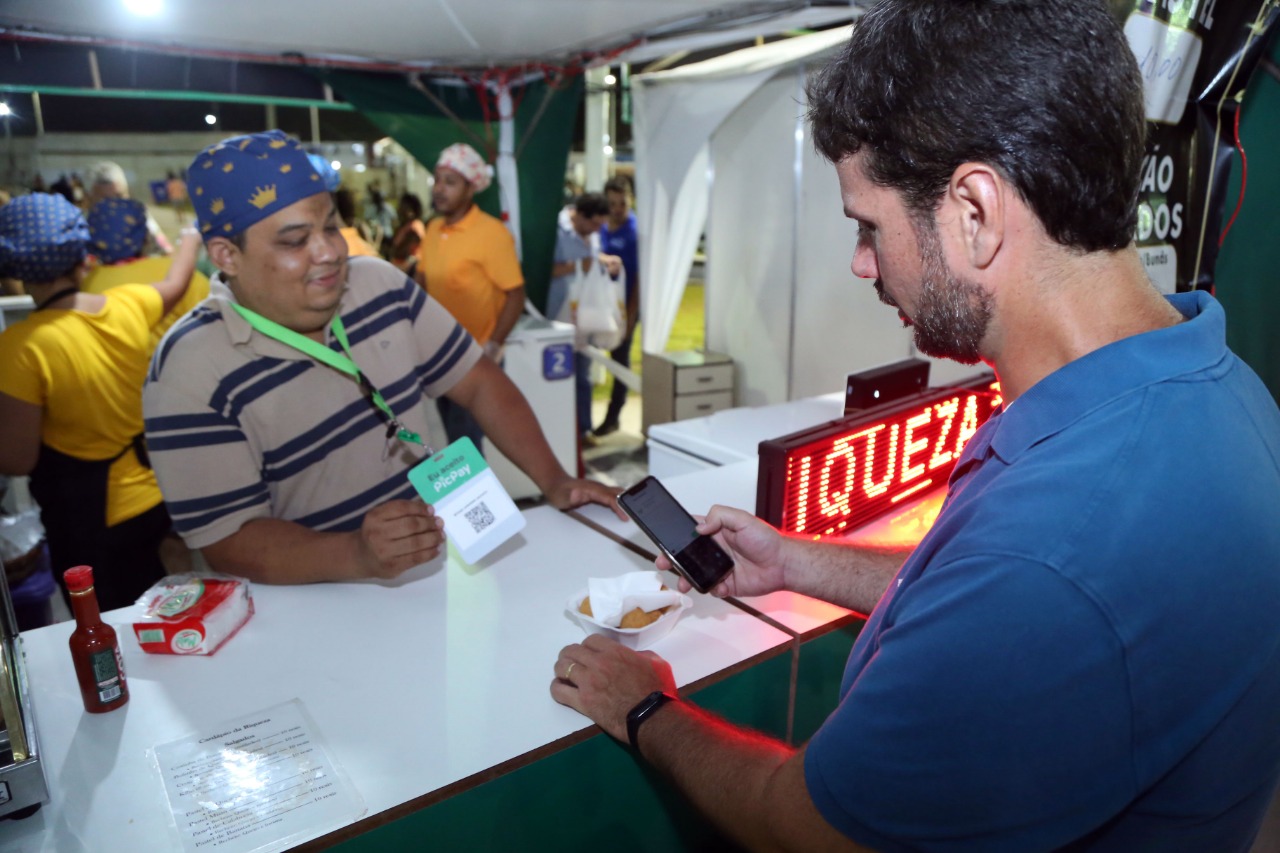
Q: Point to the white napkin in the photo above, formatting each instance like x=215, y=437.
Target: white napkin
x=612, y=598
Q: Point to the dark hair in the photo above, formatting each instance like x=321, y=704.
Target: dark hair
x=1047, y=93
x=411, y=201
x=345, y=201
x=617, y=184
x=591, y=205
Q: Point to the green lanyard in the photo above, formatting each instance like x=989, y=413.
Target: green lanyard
x=345, y=364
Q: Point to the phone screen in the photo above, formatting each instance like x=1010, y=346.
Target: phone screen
x=660, y=516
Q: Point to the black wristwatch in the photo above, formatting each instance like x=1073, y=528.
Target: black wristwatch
x=643, y=711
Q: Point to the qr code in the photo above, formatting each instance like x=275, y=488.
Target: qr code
x=480, y=517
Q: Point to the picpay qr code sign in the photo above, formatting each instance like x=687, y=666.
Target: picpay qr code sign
x=478, y=513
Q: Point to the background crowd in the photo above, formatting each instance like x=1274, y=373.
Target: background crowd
x=83, y=407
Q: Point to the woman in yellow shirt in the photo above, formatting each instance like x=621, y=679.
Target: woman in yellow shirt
x=118, y=231
x=71, y=397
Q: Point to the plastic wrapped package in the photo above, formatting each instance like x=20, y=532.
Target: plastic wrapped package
x=192, y=614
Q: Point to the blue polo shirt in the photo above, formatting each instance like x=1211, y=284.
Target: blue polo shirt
x=1084, y=651
x=625, y=244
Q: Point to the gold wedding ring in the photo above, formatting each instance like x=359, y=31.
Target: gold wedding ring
x=569, y=671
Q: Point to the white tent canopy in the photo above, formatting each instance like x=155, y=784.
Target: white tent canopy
x=723, y=145
x=476, y=34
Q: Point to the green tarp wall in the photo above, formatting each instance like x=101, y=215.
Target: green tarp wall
x=544, y=127
x=1247, y=274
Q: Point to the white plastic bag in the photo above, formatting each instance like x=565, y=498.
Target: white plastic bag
x=20, y=534
x=596, y=305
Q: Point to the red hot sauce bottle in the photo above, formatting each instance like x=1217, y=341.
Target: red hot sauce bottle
x=94, y=648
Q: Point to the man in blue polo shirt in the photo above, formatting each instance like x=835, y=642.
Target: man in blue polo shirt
x=618, y=236
x=1082, y=653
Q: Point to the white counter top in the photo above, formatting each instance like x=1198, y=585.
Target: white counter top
x=734, y=485
x=414, y=684
x=734, y=434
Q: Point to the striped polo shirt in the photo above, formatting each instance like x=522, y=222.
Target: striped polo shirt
x=241, y=426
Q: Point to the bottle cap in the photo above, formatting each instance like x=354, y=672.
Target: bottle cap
x=78, y=578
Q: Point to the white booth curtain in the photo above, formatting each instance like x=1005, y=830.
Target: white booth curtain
x=724, y=145
x=676, y=113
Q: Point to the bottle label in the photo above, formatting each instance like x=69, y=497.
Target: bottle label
x=108, y=673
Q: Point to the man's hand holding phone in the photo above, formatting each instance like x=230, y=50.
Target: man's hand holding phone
x=698, y=559
x=756, y=547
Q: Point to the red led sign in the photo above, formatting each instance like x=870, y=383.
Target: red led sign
x=844, y=474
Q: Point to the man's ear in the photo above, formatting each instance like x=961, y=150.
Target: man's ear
x=977, y=197
x=224, y=254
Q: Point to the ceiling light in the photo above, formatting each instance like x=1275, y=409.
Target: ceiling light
x=4, y=109
x=609, y=79
x=144, y=8
x=210, y=118
x=336, y=164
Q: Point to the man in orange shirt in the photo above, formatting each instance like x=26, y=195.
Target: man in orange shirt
x=467, y=262
x=356, y=244
x=346, y=206
x=408, y=238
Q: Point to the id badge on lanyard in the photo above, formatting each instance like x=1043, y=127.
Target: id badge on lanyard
x=478, y=513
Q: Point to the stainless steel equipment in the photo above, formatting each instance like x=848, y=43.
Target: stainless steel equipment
x=22, y=781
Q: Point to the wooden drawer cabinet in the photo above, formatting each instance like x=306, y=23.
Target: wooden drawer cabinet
x=697, y=405
x=679, y=385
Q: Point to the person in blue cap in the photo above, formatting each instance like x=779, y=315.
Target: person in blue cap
x=276, y=464
x=71, y=397
x=118, y=240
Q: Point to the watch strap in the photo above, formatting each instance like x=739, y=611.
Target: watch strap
x=643, y=710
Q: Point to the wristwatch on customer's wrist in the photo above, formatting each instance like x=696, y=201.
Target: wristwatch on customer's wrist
x=643, y=710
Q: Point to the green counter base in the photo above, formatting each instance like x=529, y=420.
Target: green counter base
x=594, y=795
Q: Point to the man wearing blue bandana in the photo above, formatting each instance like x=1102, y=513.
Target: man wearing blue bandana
x=1082, y=653
x=71, y=397
x=281, y=468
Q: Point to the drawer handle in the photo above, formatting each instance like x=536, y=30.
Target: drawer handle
x=704, y=378
x=702, y=407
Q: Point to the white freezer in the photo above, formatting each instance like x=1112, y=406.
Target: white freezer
x=681, y=447
x=539, y=360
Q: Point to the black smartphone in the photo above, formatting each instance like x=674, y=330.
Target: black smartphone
x=698, y=558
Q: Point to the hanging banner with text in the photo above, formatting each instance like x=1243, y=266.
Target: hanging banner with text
x=1196, y=58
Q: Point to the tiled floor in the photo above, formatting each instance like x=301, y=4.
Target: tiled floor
x=620, y=458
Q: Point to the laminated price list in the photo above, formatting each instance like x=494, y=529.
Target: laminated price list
x=261, y=782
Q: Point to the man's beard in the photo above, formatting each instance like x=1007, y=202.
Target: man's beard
x=954, y=314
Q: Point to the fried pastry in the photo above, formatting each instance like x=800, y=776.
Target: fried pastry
x=637, y=618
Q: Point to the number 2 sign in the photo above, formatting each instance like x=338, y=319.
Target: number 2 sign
x=557, y=361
